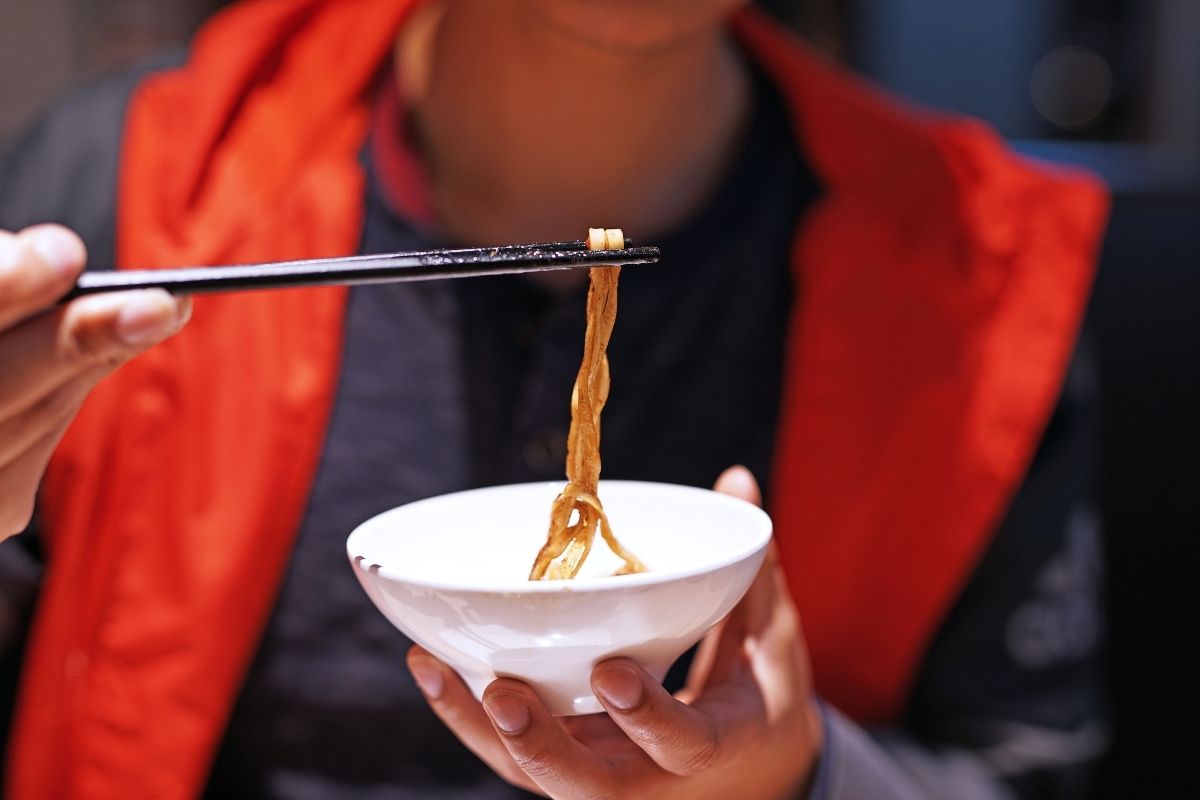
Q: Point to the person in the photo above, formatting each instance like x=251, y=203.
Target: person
x=874, y=310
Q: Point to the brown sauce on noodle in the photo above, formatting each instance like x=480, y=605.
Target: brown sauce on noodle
x=577, y=513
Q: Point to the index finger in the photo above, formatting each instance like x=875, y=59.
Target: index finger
x=556, y=762
x=37, y=267
x=682, y=739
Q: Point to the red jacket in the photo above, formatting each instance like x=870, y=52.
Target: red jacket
x=942, y=283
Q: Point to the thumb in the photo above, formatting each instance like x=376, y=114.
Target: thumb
x=739, y=482
x=721, y=648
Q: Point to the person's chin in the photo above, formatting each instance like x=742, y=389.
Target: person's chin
x=635, y=25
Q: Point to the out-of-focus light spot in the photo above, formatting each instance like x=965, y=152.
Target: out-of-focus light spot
x=1072, y=86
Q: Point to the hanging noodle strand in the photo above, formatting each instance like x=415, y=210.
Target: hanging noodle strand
x=577, y=513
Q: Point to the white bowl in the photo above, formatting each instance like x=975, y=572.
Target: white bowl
x=451, y=573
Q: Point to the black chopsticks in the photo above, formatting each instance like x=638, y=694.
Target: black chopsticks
x=393, y=267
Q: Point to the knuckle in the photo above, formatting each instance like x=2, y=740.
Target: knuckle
x=538, y=764
x=698, y=757
x=544, y=766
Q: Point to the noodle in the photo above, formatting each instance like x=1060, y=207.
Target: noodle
x=577, y=512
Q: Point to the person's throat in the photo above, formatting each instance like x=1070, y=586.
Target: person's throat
x=527, y=134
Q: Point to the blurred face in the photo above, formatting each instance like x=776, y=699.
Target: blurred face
x=634, y=24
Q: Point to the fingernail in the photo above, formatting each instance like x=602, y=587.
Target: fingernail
x=620, y=687
x=185, y=313
x=428, y=676
x=59, y=251
x=146, y=318
x=508, y=711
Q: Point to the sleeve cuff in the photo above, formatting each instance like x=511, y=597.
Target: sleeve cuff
x=819, y=787
x=853, y=766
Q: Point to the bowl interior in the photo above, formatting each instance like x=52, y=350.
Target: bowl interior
x=486, y=539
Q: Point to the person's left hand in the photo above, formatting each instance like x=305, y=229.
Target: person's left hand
x=745, y=726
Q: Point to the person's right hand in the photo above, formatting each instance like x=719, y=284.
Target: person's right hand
x=51, y=357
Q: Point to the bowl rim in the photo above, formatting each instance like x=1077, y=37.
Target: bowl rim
x=763, y=531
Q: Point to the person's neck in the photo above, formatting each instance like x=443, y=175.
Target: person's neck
x=529, y=134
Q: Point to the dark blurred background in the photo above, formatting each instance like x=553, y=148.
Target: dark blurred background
x=1112, y=84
